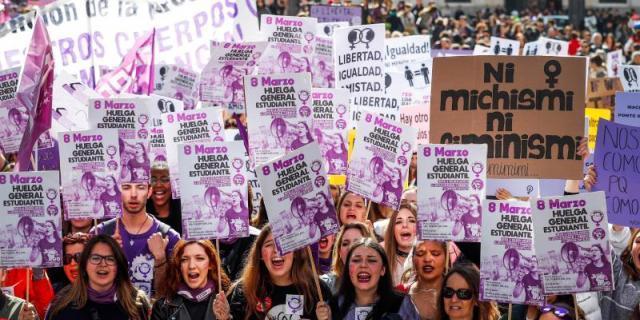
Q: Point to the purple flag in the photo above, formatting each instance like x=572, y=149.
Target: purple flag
x=35, y=90
x=135, y=73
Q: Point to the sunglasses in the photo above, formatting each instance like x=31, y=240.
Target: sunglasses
x=69, y=257
x=559, y=312
x=462, y=294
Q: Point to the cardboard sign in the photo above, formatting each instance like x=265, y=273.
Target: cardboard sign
x=299, y=204
x=213, y=184
x=601, y=92
x=617, y=160
x=571, y=243
x=628, y=108
x=30, y=234
x=90, y=174
x=452, y=180
x=508, y=267
x=380, y=160
x=529, y=110
x=326, y=13
x=594, y=116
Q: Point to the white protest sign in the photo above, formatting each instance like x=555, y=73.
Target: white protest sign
x=629, y=78
x=615, y=59
x=504, y=47
x=291, y=44
x=330, y=126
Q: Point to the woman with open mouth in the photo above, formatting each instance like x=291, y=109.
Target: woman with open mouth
x=366, y=290
x=398, y=239
x=429, y=267
x=459, y=296
x=103, y=289
x=352, y=208
x=272, y=285
x=620, y=303
x=347, y=235
x=192, y=291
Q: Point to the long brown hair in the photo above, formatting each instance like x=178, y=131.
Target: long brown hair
x=131, y=299
x=390, y=243
x=627, y=258
x=483, y=310
x=174, y=272
x=256, y=282
x=336, y=264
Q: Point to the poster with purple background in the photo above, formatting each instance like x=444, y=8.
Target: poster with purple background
x=11, y=113
x=572, y=244
x=322, y=66
x=30, y=231
x=176, y=82
x=333, y=13
x=202, y=126
x=213, y=184
x=330, y=123
x=160, y=105
x=299, y=204
x=508, y=265
x=616, y=160
x=291, y=44
x=221, y=81
x=453, y=182
x=90, y=174
x=380, y=160
x=132, y=117
x=279, y=106
x=628, y=108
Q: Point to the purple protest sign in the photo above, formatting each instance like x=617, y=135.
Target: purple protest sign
x=30, y=231
x=132, y=117
x=221, y=82
x=291, y=44
x=48, y=158
x=299, y=205
x=628, y=108
x=90, y=174
x=12, y=114
x=177, y=83
x=453, y=182
x=572, y=244
x=213, y=179
x=332, y=13
x=322, y=66
x=380, y=159
x=617, y=160
x=508, y=267
x=330, y=124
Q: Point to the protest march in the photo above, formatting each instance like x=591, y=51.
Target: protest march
x=283, y=159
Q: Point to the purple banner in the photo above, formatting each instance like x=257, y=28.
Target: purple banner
x=325, y=13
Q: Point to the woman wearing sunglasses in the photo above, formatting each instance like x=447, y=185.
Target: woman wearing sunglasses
x=366, y=290
x=103, y=289
x=73, y=245
x=459, y=296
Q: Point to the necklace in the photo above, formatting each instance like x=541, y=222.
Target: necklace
x=140, y=228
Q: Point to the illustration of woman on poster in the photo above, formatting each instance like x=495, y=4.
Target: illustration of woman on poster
x=392, y=188
x=337, y=154
x=17, y=121
x=213, y=200
x=138, y=167
x=465, y=212
x=238, y=215
x=232, y=81
x=301, y=212
x=87, y=187
x=280, y=130
x=48, y=246
x=302, y=136
x=528, y=279
x=26, y=228
x=598, y=270
x=110, y=199
x=325, y=214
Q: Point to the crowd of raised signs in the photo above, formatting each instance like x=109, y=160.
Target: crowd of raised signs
x=330, y=170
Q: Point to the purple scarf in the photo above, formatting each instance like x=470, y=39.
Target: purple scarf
x=105, y=297
x=197, y=294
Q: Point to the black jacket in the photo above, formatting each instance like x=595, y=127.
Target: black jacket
x=175, y=309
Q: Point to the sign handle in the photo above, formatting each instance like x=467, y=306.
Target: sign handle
x=315, y=273
x=28, y=285
x=219, y=265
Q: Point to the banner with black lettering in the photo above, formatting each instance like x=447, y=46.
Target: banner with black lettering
x=291, y=41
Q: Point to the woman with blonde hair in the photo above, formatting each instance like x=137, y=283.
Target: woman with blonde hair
x=399, y=238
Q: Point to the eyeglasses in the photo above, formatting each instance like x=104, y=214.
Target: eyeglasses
x=97, y=259
x=557, y=311
x=161, y=180
x=463, y=294
x=69, y=257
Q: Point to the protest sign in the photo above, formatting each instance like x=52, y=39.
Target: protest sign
x=408, y=68
x=48, y=157
x=508, y=266
x=402, y=50
x=221, y=81
x=12, y=114
x=530, y=49
x=92, y=37
x=417, y=116
x=504, y=47
x=615, y=60
x=159, y=106
x=529, y=110
x=594, y=116
x=629, y=78
x=628, y=108
x=131, y=116
x=552, y=187
x=322, y=67
x=552, y=47
x=601, y=92
x=359, y=67
x=30, y=232
x=90, y=174
x=330, y=118
x=380, y=160
x=480, y=50
x=280, y=112
x=291, y=44
x=333, y=13
x=325, y=29
x=517, y=187
x=190, y=126
x=617, y=159
x=70, y=104
x=213, y=184
x=452, y=180
x=177, y=83
x=299, y=204
x=571, y=243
